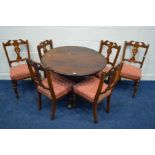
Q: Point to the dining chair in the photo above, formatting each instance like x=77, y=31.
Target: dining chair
x=43, y=47
x=95, y=90
x=18, y=68
x=134, y=53
x=111, y=51
x=46, y=84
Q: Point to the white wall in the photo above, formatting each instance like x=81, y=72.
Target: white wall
x=82, y=36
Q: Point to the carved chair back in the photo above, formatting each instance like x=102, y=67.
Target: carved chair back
x=43, y=47
x=135, y=48
x=38, y=74
x=16, y=46
x=114, y=75
x=111, y=48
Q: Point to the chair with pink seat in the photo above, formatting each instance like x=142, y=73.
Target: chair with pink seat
x=49, y=85
x=44, y=46
x=95, y=90
x=18, y=71
x=130, y=57
x=111, y=51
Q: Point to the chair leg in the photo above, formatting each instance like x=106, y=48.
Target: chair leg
x=14, y=83
x=136, y=84
x=108, y=104
x=39, y=101
x=53, y=110
x=95, y=113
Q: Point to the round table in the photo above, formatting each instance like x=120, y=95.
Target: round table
x=74, y=61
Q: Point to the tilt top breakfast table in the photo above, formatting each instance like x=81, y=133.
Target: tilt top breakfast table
x=74, y=61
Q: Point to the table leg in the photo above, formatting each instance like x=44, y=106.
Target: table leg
x=72, y=101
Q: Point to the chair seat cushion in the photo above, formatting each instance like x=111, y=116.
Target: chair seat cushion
x=130, y=72
x=61, y=87
x=105, y=70
x=88, y=89
x=19, y=72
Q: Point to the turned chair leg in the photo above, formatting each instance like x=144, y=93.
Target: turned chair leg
x=136, y=84
x=14, y=83
x=53, y=110
x=108, y=104
x=95, y=113
x=39, y=101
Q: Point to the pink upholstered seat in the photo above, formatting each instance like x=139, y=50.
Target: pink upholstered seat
x=88, y=89
x=131, y=72
x=19, y=72
x=105, y=70
x=61, y=87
